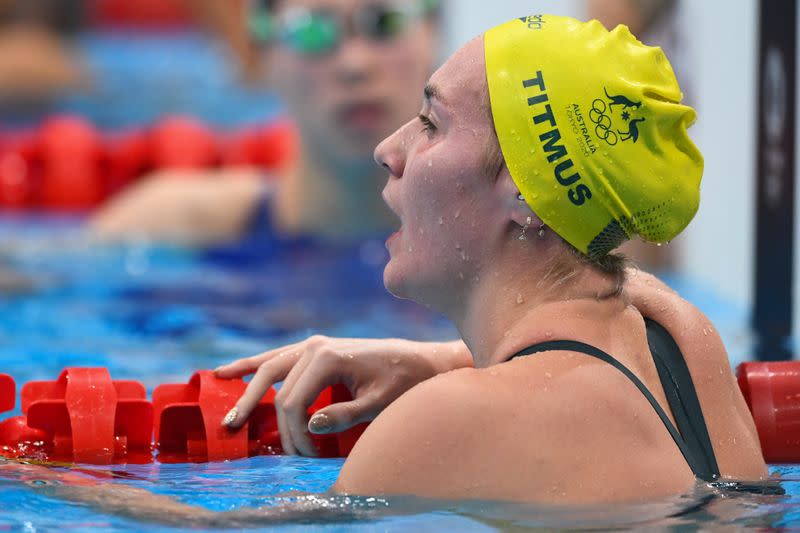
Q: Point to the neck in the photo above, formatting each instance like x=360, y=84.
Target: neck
x=335, y=200
x=519, y=303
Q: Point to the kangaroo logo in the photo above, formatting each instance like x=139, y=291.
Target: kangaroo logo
x=604, y=119
x=622, y=100
x=633, y=130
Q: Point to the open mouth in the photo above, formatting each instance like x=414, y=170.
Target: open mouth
x=363, y=116
x=393, y=236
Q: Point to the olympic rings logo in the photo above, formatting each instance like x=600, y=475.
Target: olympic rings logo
x=602, y=122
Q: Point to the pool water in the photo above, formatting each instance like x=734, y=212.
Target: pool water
x=157, y=314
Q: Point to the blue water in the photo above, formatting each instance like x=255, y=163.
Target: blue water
x=157, y=314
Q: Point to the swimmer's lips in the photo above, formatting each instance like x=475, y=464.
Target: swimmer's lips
x=362, y=116
x=392, y=237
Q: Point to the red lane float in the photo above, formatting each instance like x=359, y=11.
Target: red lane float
x=188, y=420
x=183, y=143
x=142, y=13
x=772, y=392
x=67, y=164
x=7, y=393
x=84, y=416
x=127, y=158
x=71, y=154
x=270, y=147
x=18, y=170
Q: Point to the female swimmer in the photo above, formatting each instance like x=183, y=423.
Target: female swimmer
x=586, y=387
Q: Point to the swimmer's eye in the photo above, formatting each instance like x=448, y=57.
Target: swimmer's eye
x=426, y=122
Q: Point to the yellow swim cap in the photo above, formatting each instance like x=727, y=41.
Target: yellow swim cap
x=592, y=131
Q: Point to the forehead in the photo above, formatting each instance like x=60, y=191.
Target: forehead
x=462, y=79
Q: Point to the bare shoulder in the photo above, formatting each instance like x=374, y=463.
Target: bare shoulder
x=548, y=428
x=730, y=425
x=402, y=450
x=655, y=300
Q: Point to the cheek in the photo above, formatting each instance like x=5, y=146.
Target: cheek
x=300, y=84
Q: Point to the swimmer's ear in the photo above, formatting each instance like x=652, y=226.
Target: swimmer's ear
x=516, y=209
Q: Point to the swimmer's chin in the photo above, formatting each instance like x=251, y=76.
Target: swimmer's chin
x=396, y=286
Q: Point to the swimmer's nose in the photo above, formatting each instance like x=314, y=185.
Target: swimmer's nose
x=389, y=156
x=355, y=61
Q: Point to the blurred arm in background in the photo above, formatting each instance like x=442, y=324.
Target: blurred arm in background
x=228, y=19
x=639, y=15
x=36, y=61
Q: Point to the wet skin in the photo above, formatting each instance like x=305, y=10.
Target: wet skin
x=557, y=427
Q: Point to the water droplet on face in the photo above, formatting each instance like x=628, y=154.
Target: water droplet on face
x=460, y=275
x=410, y=249
x=458, y=214
x=520, y=299
x=430, y=163
x=441, y=221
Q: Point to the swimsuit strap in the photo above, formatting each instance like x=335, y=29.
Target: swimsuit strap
x=580, y=347
x=682, y=397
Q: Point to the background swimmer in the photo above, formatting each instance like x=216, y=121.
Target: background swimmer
x=345, y=95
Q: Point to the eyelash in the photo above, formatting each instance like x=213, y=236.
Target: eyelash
x=426, y=122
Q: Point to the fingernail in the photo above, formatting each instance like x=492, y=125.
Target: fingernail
x=320, y=423
x=231, y=417
x=220, y=367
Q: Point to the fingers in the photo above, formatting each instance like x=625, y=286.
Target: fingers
x=344, y=415
x=267, y=375
x=292, y=411
x=286, y=438
x=248, y=365
x=239, y=368
x=302, y=386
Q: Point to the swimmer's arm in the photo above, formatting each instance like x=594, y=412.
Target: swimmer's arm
x=143, y=505
x=377, y=372
x=193, y=208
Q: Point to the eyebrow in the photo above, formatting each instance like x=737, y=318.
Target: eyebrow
x=432, y=91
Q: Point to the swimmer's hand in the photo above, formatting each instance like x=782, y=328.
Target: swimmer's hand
x=185, y=207
x=376, y=371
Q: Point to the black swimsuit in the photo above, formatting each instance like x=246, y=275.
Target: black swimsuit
x=691, y=435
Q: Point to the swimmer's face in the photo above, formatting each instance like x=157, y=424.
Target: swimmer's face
x=346, y=100
x=453, y=211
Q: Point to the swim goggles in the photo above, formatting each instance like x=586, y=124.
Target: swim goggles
x=316, y=32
